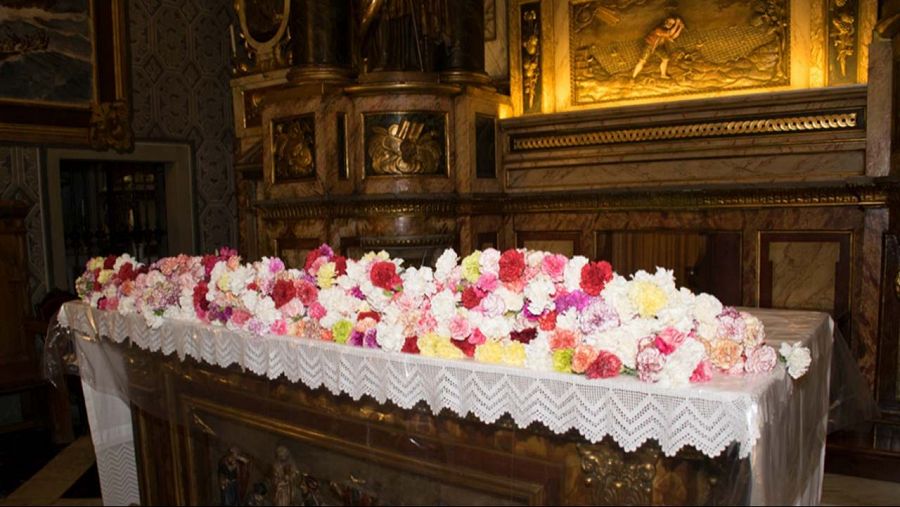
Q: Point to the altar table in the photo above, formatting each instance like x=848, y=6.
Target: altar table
x=190, y=414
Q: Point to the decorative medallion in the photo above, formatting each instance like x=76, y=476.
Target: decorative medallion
x=531, y=57
x=406, y=144
x=294, y=148
x=652, y=48
x=110, y=127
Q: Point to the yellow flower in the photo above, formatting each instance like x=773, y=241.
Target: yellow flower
x=434, y=345
x=224, y=282
x=648, y=298
x=562, y=360
x=489, y=352
x=514, y=354
x=95, y=263
x=326, y=274
x=471, y=270
x=105, y=275
x=341, y=331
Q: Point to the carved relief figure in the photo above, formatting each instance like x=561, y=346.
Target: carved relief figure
x=293, y=148
x=844, y=35
x=531, y=57
x=233, y=472
x=284, y=477
x=661, y=40
x=355, y=491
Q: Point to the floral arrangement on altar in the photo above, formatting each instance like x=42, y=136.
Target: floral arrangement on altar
x=523, y=308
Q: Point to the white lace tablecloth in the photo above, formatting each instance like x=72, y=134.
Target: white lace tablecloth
x=777, y=422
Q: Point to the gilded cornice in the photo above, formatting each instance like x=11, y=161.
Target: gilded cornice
x=850, y=195
x=846, y=120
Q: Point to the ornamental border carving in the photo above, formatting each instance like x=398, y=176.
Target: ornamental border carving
x=788, y=124
x=859, y=195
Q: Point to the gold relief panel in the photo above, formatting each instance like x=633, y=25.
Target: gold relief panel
x=294, y=148
x=628, y=50
x=843, y=37
x=406, y=144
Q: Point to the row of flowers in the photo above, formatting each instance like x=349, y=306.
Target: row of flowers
x=531, y=309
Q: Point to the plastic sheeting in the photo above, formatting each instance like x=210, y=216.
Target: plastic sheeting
x=786, y=419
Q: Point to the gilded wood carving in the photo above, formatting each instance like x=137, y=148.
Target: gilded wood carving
x=406, y=144
x=628, y=49
x=843, y=17
x=294, y=148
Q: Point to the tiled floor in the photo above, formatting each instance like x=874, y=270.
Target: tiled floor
x=51, y=484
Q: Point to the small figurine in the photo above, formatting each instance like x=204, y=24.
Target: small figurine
x=233, y=472
x=284, y=477
x=258, y=496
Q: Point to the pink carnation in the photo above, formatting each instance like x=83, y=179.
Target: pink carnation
x=562, y=339
x=703, y=372
x=316, y=310
x=761, y=360
x=279, y=327
x=554, y=266
x=477, y=337
x=649, y=364
x=459, y=327
x=668, y=340
x=488, y=282
x=583, y=357
x=239, y=317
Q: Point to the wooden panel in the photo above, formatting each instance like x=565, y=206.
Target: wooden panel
x=807, y=270
x=18, y=361
x=562, y=242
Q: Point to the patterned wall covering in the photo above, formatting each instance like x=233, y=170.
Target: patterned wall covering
x=180, y=71
x=180, y=61
x=20, y=180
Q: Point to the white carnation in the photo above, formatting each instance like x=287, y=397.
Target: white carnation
x=512, y=300
x=572, y=274
x=537, y=354
x=496, y=327
x=616, y=294
x=445, y=264
x=418, y=282
x=798, y=359
x=390, y=335
x=539, y=294
x=568, y=320
x=489, y=261
x=443, y=306
x=123, y=259
x=680, y=365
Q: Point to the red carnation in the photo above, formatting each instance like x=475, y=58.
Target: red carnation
x=209, y=262
x=201, y=305
x=283, y=292
x=471, y=297
x=126, y=272
x=370, y=315
x=524, y=336
x=109, y=262
x=547, y=321
x=411, y=345
x=594, y=276
x=384, y=275
x=340, y=265
x=607, y=365
x=467, y=348
x=253, y=286
x=306, y=291
x=512, y=265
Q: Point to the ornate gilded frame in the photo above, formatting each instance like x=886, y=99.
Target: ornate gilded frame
x=106, y=122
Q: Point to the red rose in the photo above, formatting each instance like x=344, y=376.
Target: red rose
x=306, y=291
x=411, y=345
x=467, y=348
x=607, y=365
x=471, y=297
x=109, y=262
x=524, y=336
x=547, y=321
x=512, y=265
x=384, y=275
x=594, y=276
x=283, y=292
x=201, y=305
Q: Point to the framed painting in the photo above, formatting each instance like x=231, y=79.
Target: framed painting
x=64, y=73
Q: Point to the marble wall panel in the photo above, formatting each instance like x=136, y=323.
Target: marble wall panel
x=803, y=274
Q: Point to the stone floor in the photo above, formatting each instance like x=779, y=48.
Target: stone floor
x=72, y=473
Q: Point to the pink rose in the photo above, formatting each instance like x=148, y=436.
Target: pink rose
x=761, y=360
x=703, y=372
x=583, y=357
x=554, y=266
x=459, y=327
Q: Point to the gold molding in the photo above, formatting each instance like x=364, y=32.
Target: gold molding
x=615, y=477
x=867, y=196
x=723, y=128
